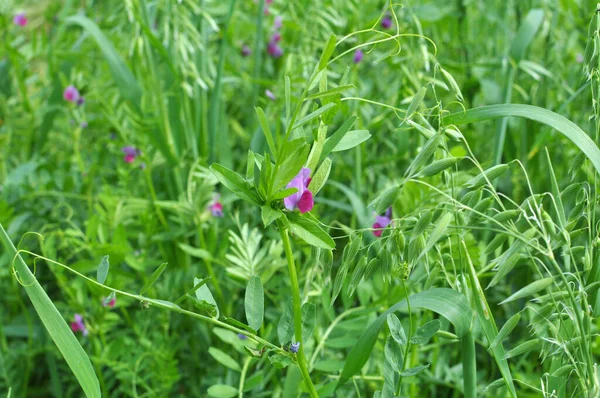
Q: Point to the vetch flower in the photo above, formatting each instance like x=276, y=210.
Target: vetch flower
x=216, y=209
x=303, y=198
x=386, y=22
x=242, y=336
x=71, y=94
x=276, y=37
x=83, y=125
x=358, y=56
x=80, y=101
x=20, y=19
x=111, y=303
x=78, y=325
x=270, y=94
x=130, y=153
x=278, y=23
x=382, y=222
x=246, y=50
x=294, y=347
x=274, y=49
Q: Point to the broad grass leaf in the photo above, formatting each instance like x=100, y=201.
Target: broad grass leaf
x=529, y=290
x=310, y=232
x=254, y=303
x=447, y=302
x=224, y=359
x=154, y=277
x=57, y=327
x=103, y=268
x=222, y=391
x=526, y=33
x=124, y=79
x=541, y=115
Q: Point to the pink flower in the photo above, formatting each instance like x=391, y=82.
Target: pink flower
x=20, y=19
x=216, y=209
x=270, y=94
x=111, y=303
x=274, y=49
x=278, y=23
x=358, y=56
x=386, y=22
x=382, y=222
x=276, y=37
x=71, y=94
x=303, y=198
x=78, y=325
x=130, y=153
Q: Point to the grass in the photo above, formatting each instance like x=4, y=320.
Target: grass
x=477, y=124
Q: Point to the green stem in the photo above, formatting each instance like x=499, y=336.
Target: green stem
x=243, y=377
x=409, y=336
x=297, y=305
x=469, y=363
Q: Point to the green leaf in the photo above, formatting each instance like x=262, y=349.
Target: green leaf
x=508, y=327
x=413, y=371
x=327, y=51
x=235, y=183
x=529, y=290
x=489, y=174
x=317, y=148
x=526, y=34
x=309, y=319
x=124, y=79
x=523, y=348
x=396, y=329
x=59, y=331
x=284, y=193
x=203, y=294
x=268, y=214
x=294, y=157
x=155, y=275
x=385, y=200
x=280, y=361
x=336, y=137
x=320, y=177
x=416, y=102
x=393, y=354
x=310, y=232
x=285, y=327
x=102, y=272
x=426, y=153
x=264, y=124
x=331, y=91
x=313, y=115
x=224, y=359
x=554, y=120
x=352, y=139
x=222, y=391
x=447, y=302
x=195, y=252
x=255, y=303
x=426, y=332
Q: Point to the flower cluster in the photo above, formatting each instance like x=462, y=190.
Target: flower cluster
x=130, y=153
x=273, y=47
x=20, y=19
x=78, y=326
x=216, y=207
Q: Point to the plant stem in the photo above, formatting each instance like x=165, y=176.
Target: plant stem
x=467, y=345
x=399, y=388
x=297, y=305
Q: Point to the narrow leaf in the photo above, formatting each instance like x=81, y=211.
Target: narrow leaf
x=254, y=303
x=102, y=272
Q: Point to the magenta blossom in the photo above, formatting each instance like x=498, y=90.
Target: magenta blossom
x=274, y=49
x=71, y=94
x=246, y=51
x=20, y=19
x=358, y=56
x=130, y=153
x=278, y=23
x=382, y=222
x=78, y=325
x=276, y=37
x=270, y=95
x=386, y=22
x=111, y=303
x=216, y=209
x=303, y=198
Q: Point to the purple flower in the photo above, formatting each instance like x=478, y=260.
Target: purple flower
x=246, y=50
x=386, y=22
x=71, y=94
x=83, y=125
x=276, y=37
x=130, y=153
x=303, y=198
x=110, y=303
x=294, y=347
x=382, y=222
x=274, y=49
x=270, y=94
x=78, y=325
x=80, y=101
x=242, y=336
x=358, y=56
x=20, y=19
x=216, y=209
x=278, y=23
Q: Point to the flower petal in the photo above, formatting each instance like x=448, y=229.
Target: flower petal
x=306, y=202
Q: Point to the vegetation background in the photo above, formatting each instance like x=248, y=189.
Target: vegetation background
x=475, y=121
